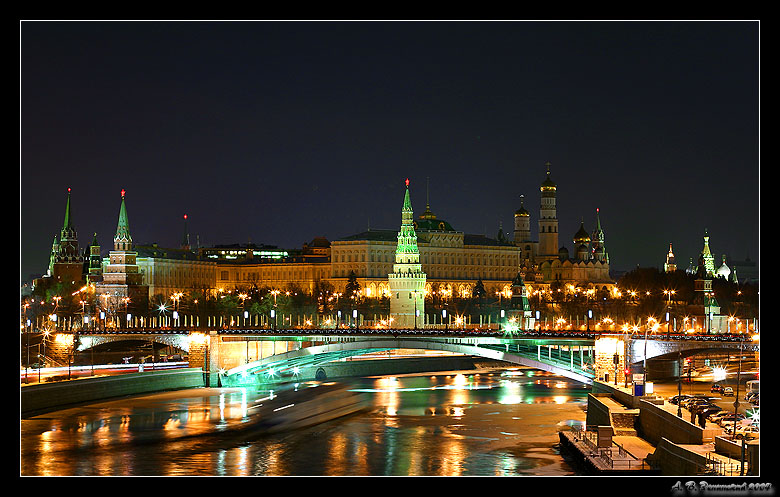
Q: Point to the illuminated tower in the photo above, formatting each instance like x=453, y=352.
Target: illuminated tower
x=670, y=265
x=68, y=263
x=548, y=220
x=95, y=265
x=522, y=224
x=121, y=276
x=597, y=242
x=707, y=259
x=185, y=242
x=407, y=281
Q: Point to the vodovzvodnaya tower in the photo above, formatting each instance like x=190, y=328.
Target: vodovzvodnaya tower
x=407, y=281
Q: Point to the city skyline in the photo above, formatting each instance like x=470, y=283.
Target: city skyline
x=275, y=133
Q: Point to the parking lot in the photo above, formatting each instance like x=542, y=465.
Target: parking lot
x=702, y=387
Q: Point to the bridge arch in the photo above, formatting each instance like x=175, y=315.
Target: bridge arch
x=288, y=363
x=180, y=341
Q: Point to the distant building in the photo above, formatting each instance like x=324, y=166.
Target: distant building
x=733, y=271
x=670, y=266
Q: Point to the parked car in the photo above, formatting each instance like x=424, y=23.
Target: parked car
x=678, y=398
x=728, y=419
x=708, y=410
x=699, y=406
x=743, y=431
x=696, y=400
x=728, y=391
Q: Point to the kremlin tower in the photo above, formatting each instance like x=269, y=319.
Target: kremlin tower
x=407, y=281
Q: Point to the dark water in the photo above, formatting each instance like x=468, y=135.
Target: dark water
x=492, y=423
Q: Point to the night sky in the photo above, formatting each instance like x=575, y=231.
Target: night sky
x=277, y=132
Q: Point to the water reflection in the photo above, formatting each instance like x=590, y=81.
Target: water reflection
x=445, y=424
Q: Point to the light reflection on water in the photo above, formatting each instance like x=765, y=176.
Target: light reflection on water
x=443, y=424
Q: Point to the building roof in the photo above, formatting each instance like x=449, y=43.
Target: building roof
x=154, y=251
x=392, y=236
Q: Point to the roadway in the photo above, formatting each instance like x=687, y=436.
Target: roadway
x=47, y=375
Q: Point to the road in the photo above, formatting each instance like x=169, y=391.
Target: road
x=30, y=376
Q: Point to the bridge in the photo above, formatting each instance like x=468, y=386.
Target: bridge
x=240, y=356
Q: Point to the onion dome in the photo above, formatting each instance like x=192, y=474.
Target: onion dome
x=548, y=184
x=521, y=211
x=581, y=237
x=724, y=271
x=563, y=253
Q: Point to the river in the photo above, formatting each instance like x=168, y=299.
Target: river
x=497, y=422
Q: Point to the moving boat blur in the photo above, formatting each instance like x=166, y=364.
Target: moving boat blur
x=295, y=409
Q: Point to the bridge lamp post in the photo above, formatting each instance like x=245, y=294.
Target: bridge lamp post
x=355, y=319
x=590, y=316
x=444, y=318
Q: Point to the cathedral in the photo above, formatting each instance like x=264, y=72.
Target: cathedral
x=545, y=263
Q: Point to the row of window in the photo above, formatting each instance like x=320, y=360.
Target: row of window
x=484, y=260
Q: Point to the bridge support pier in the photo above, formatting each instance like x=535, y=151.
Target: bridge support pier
x=610, y=360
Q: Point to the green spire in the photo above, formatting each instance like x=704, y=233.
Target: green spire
x=122, y=239
x=407, y=201
x=68, y=233
x=407, y=237
x=67, y=225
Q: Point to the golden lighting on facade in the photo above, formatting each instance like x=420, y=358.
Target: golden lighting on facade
x=63, y=339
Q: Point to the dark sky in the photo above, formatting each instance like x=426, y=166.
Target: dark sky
x=277, y=132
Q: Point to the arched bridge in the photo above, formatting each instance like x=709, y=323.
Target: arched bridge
x=576, y=355
x=572, y=358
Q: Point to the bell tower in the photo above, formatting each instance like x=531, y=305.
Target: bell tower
x=548, y=220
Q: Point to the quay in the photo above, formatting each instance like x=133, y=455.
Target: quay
x=642, y=435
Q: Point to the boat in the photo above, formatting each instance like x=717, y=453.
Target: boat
x=295, y=409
